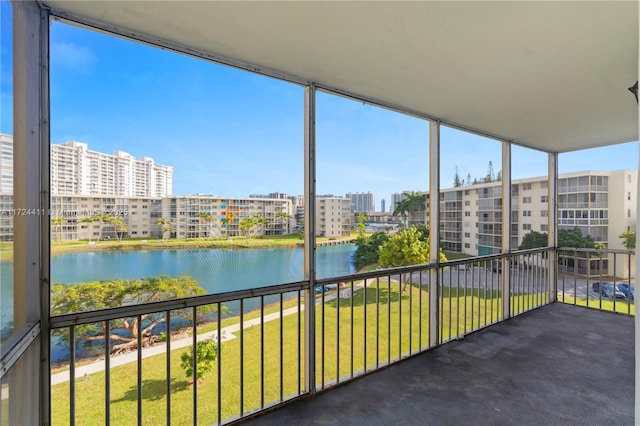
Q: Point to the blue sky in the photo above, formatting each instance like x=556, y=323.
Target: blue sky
x=227, y=132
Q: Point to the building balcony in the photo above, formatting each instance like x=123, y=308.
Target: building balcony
x=500, y=335
x=559, y=364
x=483, y=340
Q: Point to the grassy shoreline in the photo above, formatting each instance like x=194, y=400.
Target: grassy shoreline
x=83, y=246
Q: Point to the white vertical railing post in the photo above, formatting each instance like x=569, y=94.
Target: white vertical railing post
x=29, y=382
x=434, y=230
x=552, y=258
x=310, y=234
x=506, y=229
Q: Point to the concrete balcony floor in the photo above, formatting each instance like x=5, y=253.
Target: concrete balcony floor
x=559, y=364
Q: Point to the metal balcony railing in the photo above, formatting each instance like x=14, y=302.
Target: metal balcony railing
x=597, y=279
x=278, y=343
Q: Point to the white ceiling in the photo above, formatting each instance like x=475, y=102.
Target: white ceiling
x=549, y=75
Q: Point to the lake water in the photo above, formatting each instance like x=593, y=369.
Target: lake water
x=216, y=270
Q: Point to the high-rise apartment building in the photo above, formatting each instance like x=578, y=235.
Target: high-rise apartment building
x=333, y=217
x=395, y=199
x=6, y=164
x=362, y=201
x=76, y=170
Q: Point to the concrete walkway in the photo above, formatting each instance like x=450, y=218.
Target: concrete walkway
x=227, y=334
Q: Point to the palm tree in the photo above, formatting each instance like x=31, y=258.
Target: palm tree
x=228, y=221
x=57, y=222
x=101, y=218
x=286, y=216
x=120, y=225
x=208, y=218
x=412, y=201
x=166, y=228
x=247, y=224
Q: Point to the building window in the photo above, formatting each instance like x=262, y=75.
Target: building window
x=526, y=227
x=526, y=186
x=526, y=213
x=544, y=199
x=526, y=200
x=544, y=184
x=467, y=213
x=628, y=196
x=467, y=234
x=467, y=245
x=544, y=228
x=467, y=203
x=543, y=213
x=628, y=212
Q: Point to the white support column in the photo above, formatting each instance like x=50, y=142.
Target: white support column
x=506, y=229
x=30, y=136
x=434, y=230
x=637, y=317
x=310, y=234
x=552, y=261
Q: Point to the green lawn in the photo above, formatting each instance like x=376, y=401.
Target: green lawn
x=621, y=306
x=402, y=326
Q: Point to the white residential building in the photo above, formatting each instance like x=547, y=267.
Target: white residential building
x=333, y=217
x=362, y=201
x=76, y=170
x=6, y=164
x=206, y=216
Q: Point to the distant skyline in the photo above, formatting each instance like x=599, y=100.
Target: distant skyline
x=232, y=133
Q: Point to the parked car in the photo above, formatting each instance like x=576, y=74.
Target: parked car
x=327, y=287
x=629, y=291
x=608, y=290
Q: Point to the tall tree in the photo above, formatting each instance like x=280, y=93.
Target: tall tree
x=574, y=238
x=533, y=239
x=628, y=239
x=228, y=221
x=249, y=223
x=368, y=249
x=469, y=182
x=56, y=223
x=89, y=221
x=298, y=217
x=120, y=226
x=412, y=201
x=287, y=219
x=208, y=219
x=361, y=221
x=109, y=294
x=101, y=218
x=166, y=228
x=406, y=248
x=456, y=179
x=490, y=177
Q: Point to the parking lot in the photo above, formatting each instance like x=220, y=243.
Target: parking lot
x=523, y=281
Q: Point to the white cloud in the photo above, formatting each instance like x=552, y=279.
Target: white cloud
x=72, y=56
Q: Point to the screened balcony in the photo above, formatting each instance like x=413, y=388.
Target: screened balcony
x=434, y=328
